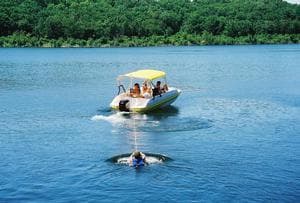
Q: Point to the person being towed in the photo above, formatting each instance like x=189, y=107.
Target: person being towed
x=137, y=159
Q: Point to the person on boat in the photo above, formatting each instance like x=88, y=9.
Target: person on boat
x=136, y=92
x=158, y=90
x=146, y=91
x=137, y=159
x=165, y=88
x=161, y=89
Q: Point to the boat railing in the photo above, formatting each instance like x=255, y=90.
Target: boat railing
x=119, y=89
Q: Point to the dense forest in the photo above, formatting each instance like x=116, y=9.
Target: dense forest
x=93, y=23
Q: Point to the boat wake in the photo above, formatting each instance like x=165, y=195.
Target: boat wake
x=149, y=123
x=114, y=118
x=150, y=157
x=177, y=125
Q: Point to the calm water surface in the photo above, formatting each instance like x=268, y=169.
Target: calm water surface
x=233, y=134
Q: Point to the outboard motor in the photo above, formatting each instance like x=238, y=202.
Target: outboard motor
x=124, y=105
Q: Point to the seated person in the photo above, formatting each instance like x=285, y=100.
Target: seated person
x=146, y=91
x=137, y=159
x=165, y=88
x=158, y=90
x=136, y=92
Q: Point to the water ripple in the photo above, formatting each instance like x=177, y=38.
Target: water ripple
x=144, y=123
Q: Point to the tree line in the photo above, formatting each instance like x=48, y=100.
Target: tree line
x=112, y=20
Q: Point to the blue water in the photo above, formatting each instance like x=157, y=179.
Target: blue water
x=233, y=134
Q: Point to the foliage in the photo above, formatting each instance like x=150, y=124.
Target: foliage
x=95, y=23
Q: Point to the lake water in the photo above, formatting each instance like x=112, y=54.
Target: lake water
x=233, y=134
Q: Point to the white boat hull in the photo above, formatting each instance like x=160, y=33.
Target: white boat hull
x=147, y=104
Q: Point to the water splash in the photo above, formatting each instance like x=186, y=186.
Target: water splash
x=151, y=158
x=113, y=118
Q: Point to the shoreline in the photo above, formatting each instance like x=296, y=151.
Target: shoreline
x=20, y=40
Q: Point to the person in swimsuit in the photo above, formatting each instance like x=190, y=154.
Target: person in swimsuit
x=146, y=91
x=136, y=92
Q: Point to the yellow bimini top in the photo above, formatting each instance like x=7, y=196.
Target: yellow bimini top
x=147, y=74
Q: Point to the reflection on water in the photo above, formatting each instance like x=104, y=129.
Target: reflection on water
x=166, y=112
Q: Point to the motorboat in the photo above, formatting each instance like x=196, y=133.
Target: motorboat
x=154, y=93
